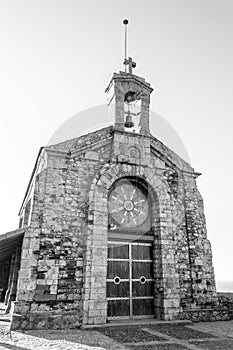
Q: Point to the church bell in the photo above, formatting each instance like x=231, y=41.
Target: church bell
x=128, y=121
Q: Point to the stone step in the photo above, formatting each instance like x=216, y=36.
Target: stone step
x=131, y=323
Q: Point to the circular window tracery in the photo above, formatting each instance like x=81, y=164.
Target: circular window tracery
x=128, y=204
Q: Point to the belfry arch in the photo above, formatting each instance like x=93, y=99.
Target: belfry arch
x=166, y=282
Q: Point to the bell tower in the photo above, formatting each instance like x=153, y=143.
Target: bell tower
x=129, y=100
x=128, y=97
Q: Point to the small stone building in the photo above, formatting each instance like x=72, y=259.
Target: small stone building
x=112, y=226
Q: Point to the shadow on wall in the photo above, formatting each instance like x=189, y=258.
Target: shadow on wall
x=98, y=117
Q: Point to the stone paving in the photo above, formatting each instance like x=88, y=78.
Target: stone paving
x=198, y=336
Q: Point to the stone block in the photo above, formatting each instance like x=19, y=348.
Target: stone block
x=92, y=155
x=25, y=273
x=45, y=297
x=99, y=320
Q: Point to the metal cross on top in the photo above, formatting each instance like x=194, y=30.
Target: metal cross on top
x=129, y=62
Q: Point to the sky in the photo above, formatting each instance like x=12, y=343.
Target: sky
x=57, y=57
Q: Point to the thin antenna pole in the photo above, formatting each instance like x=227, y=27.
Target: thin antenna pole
x=125, y=22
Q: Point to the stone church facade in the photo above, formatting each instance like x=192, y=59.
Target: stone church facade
x=112, y=226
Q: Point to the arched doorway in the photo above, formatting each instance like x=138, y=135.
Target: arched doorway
x=166, y=279
x=130, y=270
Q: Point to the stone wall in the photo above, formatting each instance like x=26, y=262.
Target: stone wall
x=203, y=289
x=62, y=280
x=226, y=301
x=50, y=285
x=193, y=250
x=206, y=314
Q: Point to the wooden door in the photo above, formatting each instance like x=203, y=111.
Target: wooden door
x=130, y=283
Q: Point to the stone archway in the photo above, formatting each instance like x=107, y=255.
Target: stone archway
x=95, y=265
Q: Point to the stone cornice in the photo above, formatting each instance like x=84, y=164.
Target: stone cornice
x=122, y=76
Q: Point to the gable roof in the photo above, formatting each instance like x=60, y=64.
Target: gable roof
x=84, y=142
